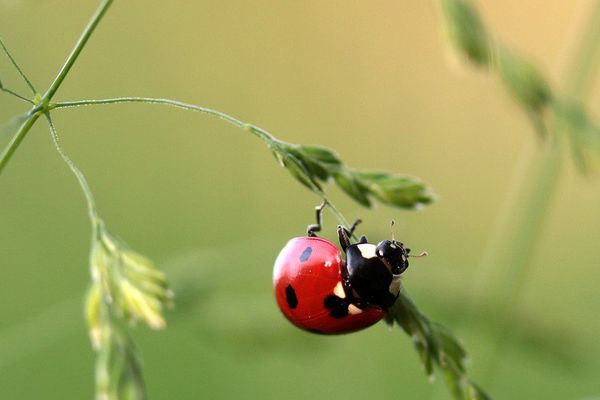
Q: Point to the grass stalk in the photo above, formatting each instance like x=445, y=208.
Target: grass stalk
x=16, y=140
x=514, y=248
x=262, y=134
x=83, y=39
x=42, y=104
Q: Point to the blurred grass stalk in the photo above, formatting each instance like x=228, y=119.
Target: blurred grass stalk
x=505, y=265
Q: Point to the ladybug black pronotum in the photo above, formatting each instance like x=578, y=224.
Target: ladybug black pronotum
x=319, y=291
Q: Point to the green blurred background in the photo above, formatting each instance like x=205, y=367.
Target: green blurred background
x=373, y=80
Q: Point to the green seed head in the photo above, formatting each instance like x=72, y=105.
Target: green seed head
x=466, y=31
x=525, y=83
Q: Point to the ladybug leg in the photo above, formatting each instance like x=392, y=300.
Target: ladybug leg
x=311, y=229
x=344, y=236
x=350, y=299
x=353, y=227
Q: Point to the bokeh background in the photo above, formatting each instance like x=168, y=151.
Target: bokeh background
x=373, y=80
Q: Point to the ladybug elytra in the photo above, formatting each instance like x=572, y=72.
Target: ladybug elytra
x=318, y=291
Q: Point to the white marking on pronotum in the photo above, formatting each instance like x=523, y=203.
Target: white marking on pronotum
x=395, y=285
x=353, y=310
x=367, y=250
x=338, y=290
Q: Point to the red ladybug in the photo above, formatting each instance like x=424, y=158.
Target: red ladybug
x=320, y=292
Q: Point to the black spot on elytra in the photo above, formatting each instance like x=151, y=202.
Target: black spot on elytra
x=338, y=307
x=290, y=297
x=306, y=254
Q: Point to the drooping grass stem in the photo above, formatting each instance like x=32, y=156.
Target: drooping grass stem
x=151, y=100
x=512, y=250
x=91, y=203
x=262, y=134
x=514, y=256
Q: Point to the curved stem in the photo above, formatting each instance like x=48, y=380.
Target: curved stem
x=167, y=102
x=85, y=187
x=262, y=134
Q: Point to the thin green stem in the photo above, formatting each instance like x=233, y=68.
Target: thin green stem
x=584, y=62
x=19, y=70
x=167, y=102
x=514, y=257
x=86, y=34
x=268, y=138
x=16, y=140
x=513, y=250
x=42, y=104
x=15, y=94
x=89, y=197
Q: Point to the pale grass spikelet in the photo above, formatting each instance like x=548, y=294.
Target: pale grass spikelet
x=130, y=282
x=93, y=314
x=143, y=290
x=100, y=265
x=139, y=306
x=125, y=285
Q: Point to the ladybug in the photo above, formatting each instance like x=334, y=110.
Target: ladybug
x=318, y=291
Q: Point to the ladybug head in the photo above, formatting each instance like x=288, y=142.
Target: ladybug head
x=393, y=255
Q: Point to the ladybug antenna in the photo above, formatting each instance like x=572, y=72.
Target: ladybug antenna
x=422, y=254
x=392, y=223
